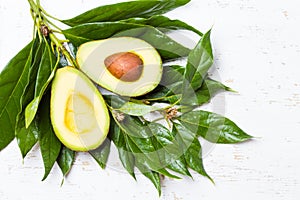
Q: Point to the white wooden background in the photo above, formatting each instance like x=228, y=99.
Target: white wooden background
x=257, y=52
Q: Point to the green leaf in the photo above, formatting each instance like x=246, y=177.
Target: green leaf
x=141, y=143
x=200, y=60
x=165, y=172
x=49, y=143
x=38, y=49
x=180, y=166
x=213, y=127
x=137, y=149
x=46, y=68
x=151, y=144
x=172, y=74
x=193, y=157
x=168, y=149
x=170, y=85
x=129, y=106
x=165, y=144
x=127, y=160
x=27, y=137
x=131, y=125
x=144, y=151
x=126, y=157
x=167, y=47
x=96, y=31
x=209, y=89
x=45, y=75
x=31, y=110
x=116, y=135
x=173, y=79
x=162, y=94
x=13, y=82
x=193, y=152
x=170, y=89
x=101, y=153
x=136, y=109
x=163, y=23
x=151, y=175
x=125, y=10
x=65, y=159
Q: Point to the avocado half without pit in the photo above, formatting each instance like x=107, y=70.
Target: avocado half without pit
x=78, y=114
x=124, y=65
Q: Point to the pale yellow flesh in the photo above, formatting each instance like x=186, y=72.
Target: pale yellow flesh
x=91, y=56
x=78, y=112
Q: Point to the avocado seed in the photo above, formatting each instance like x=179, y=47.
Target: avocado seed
x=125, y=66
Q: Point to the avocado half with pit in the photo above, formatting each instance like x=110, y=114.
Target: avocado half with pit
x=124, y=65
x=79, y=114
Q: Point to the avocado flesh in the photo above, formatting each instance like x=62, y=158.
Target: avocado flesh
x=91, y=60
x=79, y=115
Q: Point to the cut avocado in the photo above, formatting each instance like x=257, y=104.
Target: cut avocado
x=79, y=114
x=124, y=65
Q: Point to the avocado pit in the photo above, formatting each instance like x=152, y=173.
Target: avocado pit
x=125, y=66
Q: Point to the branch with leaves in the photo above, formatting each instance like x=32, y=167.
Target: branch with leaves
x=145, y=145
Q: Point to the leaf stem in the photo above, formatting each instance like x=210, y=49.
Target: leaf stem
x=39, y=16
x=35, y=24
x=63, y=49
x=52, y=24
